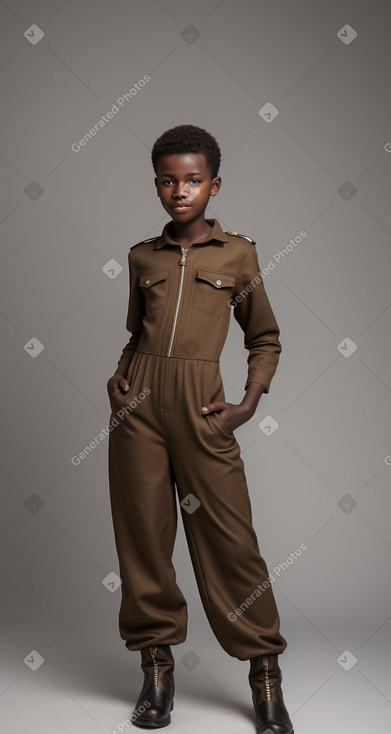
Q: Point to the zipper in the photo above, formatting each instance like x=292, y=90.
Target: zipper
x=265, y=662
x=182, y=261
x=153, y=651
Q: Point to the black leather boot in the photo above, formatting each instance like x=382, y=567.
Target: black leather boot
x=156, y=698
x=265, y=680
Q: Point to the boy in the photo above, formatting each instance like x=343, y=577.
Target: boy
x=179, y=432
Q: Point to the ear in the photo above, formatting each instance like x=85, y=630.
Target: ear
x=215, y=186
x=155, y=182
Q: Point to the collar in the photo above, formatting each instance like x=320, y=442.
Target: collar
x=216, y=233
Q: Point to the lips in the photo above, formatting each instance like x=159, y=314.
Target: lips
x=181, y=207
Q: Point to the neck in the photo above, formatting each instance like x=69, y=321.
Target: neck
x=188, y=232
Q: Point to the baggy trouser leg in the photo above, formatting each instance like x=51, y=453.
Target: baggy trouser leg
x=153, y=610
x=232, y=576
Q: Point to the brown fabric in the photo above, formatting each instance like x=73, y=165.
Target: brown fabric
x=162, y=442
x=217, y=271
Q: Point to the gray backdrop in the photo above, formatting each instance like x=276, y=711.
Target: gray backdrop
x=298, y=96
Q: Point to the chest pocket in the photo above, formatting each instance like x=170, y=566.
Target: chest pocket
x=154, y=288
x=212, y=291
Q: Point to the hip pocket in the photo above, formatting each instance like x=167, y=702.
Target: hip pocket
x=223, y=425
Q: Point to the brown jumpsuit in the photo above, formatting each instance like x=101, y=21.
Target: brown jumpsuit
x=178, y=315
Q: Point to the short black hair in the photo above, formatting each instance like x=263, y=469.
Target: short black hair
x=188, y=139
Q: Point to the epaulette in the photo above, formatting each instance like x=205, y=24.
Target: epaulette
x=228, y=231
x=151, y=239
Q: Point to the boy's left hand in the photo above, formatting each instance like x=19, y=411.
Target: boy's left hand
x=232, y=415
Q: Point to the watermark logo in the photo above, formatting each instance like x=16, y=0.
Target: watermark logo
x=190, y=503
x=112, y=268
x=347, y=34
x=112, y=581
x=119, y=104
x=128, y=408
x=33, y=190
x=126, y=723
x=34, y=34
x=34, y=347
x=190, y=660
x=268, y=425
x=347, y=660
x=34, y=503
x=34, y=660
x=190, y=34
x=347, y=347
x=347, y=503
x=271, y=265
x=277, y=570
x=268, y=112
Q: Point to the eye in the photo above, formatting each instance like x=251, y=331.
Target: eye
x=196, y=180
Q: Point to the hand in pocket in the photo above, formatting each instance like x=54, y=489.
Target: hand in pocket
x=117, y=382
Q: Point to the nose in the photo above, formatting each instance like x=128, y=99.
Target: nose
x=180, y=191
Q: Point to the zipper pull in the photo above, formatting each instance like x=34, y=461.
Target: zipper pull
x=265, y=663
x=182, y=261
x=153, y=651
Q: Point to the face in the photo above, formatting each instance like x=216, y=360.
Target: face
x=184, y=185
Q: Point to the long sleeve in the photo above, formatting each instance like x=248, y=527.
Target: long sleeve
x=134, y=318
x=255, y=315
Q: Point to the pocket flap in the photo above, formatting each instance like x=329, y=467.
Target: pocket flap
x=219, y=280
x=145, y=281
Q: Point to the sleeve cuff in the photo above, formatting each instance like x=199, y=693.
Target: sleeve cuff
x=262, y=378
